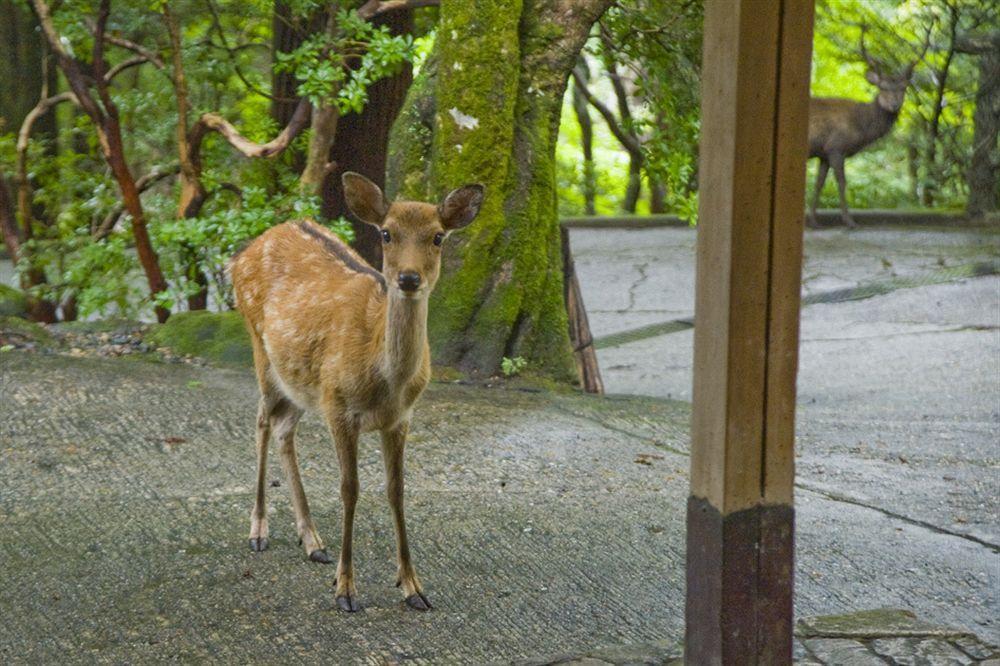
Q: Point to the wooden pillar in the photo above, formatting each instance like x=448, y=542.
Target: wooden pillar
x=755, y=94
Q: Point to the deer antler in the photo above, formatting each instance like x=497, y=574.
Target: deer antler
x=923, y=51
x=872, y=63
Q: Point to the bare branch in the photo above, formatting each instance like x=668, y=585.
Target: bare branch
x=373, y=8
x=122, y=66
x=142, y=184
x=926, y=45
x=629, y=142
x=213, y=122
x=217, y=24
x=70, y=66
x=129, y=45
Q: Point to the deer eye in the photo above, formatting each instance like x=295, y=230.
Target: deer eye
x=385, y=235
x=438, y=238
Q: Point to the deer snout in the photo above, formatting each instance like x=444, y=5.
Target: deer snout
x=408, y=281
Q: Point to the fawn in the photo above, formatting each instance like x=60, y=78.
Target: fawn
x=333, y=335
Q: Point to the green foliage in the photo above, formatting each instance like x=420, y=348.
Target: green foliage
x=656, y=48
x=512, y=366
x=13, y=302
x=227, y=59
x=320, y=62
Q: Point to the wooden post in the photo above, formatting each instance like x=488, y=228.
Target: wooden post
x=755, y=94
x=579, y=326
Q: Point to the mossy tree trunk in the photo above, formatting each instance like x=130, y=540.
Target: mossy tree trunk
x=488, y=111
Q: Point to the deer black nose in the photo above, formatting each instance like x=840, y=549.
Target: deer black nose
x=409, y=281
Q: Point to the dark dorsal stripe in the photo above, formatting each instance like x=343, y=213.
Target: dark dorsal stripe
x=340, y=252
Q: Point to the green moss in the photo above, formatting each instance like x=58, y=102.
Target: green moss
x=219, y=337
x=501, y=288
x=15, y=330
x=13, y=302
x=411, y=139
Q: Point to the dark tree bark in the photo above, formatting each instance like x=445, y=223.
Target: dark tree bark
x=657, y=198
x=983, y=175
x=361, y=143
x=22, y=51
x=930, y=155
x=586, y=140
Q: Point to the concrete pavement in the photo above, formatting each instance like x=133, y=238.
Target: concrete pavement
x=541, y=524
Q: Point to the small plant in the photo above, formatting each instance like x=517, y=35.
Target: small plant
x=512, y=366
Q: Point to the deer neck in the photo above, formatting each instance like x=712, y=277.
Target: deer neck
x=405, y=336
x=880, y=120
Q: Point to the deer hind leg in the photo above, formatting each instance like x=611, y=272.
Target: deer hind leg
x=269, y=397
x=821, y=172
x=258, y=515
x=837, y=162
x=345, y=435
x=393, y=444
x=284, y=419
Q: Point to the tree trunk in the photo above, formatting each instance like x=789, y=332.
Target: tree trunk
x=984, y=169
x=634, y=188
x=501, y=292
x=657, y=198
x=587, y=143
x=930, y=156
x=912, y=165
x=22, y=51
x=362, y=142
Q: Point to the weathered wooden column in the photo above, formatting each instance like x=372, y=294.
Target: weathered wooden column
x=755, y=93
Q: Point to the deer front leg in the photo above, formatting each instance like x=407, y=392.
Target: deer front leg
x=284, y=419
x=345, y=435
x=837, y=162
x=393, y=444
x=821, y=172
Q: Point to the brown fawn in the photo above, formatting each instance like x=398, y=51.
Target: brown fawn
x=333, y=335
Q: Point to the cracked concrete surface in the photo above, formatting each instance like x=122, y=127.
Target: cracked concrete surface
x=899, y=394
x=540, y=523
x=534, y=528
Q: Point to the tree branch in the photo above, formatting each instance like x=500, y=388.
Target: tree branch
x=630, y=143
x=213, y=122
x=142, y=184
x=373, y=8
x=129, y=45
x=70, y=67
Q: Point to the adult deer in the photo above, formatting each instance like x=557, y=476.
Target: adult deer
x=333, y=335
x=839, y=128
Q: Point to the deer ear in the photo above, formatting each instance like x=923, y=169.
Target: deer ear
x=461, y=206
x=873, y=77
x=364, y=198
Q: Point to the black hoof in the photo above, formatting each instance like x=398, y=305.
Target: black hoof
x=320, y=555
x=348, y=604
x=259, y=544
x=418, y=602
